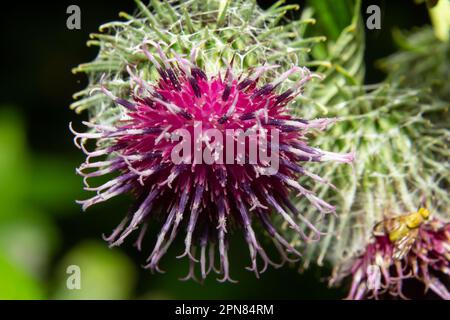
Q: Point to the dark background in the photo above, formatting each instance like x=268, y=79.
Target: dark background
x=38, y=53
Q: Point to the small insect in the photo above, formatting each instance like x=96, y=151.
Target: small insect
x=402, y=230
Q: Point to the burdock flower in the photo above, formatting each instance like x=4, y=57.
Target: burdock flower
x=208, y=153
x=407, y=248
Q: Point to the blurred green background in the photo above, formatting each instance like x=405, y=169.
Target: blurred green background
x=43, y=231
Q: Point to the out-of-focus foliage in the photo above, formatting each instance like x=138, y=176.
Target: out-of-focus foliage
x=29, y=238
x=105, y=274
x=13, y=161
x=53, y=184
x=29, y=241
x=17, y=284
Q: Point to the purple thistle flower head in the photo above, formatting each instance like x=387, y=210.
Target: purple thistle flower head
x=169, y=151
x=387, y=263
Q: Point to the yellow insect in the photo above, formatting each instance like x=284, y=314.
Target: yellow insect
x=402, y=230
